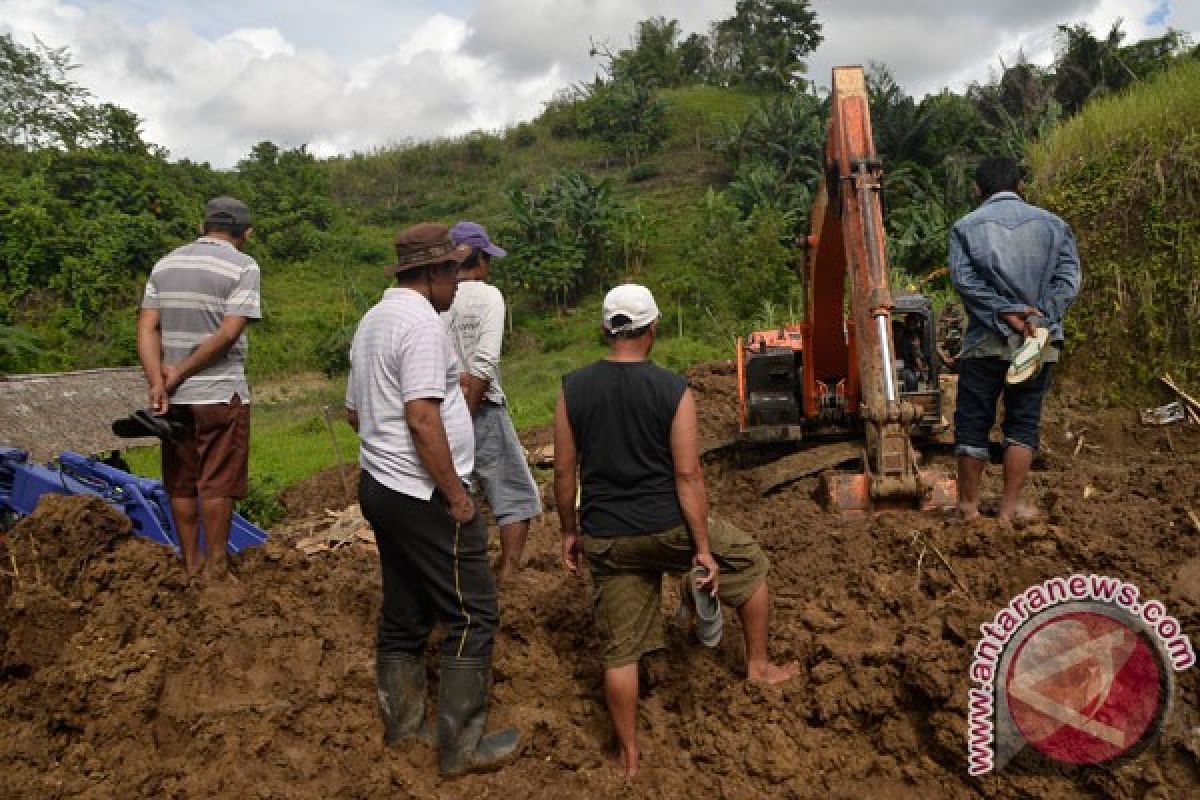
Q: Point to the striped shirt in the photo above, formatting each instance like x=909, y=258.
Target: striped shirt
x=194, y=288
x=401, y=352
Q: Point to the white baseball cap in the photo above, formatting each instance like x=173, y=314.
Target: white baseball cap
x=628, y=307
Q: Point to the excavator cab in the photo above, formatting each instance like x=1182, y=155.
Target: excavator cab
x=916, y=362
x=770, y=366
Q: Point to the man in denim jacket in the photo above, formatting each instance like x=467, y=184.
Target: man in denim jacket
x=1016, y=268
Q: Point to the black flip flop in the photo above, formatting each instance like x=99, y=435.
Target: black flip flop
x=143, y=423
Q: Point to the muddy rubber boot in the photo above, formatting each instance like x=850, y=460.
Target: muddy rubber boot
x=462, y=716
x=401, y=681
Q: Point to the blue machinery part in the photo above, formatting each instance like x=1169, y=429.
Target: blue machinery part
x=143, y=500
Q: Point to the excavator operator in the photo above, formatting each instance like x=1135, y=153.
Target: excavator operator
x=911, y=351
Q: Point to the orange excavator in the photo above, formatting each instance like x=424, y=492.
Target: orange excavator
x=830, y=377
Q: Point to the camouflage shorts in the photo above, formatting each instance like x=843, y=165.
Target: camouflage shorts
x=627, y=574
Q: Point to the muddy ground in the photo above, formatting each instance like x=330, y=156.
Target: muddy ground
x=116, y=681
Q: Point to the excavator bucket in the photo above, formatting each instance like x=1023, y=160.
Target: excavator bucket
x=850, y=492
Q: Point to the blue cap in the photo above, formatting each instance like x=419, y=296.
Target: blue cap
x=473, y=234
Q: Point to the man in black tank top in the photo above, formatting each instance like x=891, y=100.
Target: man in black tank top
x=629, y=427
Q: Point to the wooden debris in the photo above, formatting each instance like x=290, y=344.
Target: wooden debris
x=542, y=456
x=1195, y=520
x=1089, y=492
x=927, y=542
x=1078, y=446
x=348, y=527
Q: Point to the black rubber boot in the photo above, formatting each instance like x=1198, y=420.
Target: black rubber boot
x=401, y=681
x=462, y=716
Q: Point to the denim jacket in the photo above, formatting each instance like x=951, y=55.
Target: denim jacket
x=1005, y=255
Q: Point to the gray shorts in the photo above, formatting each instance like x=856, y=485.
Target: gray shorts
x=501, y=469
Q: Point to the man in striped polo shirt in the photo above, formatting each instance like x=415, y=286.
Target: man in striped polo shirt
x=191, y=340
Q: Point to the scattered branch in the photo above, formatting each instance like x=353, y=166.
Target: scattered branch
x=925, y=541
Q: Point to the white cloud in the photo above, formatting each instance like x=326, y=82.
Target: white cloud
x=212, y=80
x=266, y=42
x=211, y=99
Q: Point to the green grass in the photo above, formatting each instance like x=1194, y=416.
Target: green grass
x=705, y=110
x=1155, y=115
x=1125, y=173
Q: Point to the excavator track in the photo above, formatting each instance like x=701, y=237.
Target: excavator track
x=809, y=461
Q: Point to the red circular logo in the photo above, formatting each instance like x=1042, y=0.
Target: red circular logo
x=1084, y=687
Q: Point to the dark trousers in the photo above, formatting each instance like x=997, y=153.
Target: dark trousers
x=980, y=386
x=434, y=569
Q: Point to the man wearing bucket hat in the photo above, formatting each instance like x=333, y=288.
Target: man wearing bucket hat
x=417, y=455
x=476, y=324
x=630, y=428
x=1017, y=270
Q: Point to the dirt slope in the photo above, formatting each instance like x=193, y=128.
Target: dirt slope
x=116, y=681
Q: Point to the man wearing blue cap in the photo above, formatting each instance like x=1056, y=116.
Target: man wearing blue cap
x=476, y=324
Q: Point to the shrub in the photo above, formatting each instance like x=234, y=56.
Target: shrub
x=525, y=136
x=261, y=504
x=333, y=353
x=644, y=171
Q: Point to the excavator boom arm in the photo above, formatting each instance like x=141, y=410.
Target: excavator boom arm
x=847, y=240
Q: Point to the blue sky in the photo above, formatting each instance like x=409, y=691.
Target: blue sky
x=210, y=79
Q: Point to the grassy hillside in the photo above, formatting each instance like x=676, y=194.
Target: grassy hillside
x=1125, y=173
x=311, y=307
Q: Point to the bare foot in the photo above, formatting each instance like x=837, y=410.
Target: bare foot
x=968, y=512
x=772, y=674
x=1023, y=512
x=619, y=761
x=630, y=762
x=224, y=587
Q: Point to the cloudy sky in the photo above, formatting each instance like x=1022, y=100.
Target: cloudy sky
x=210, y=79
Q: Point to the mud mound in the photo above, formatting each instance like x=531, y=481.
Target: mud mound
x=715, y=387
x=266, y=689
x=46, y=556
x=325, y=490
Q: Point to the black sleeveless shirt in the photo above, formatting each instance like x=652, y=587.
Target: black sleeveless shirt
x=621, y=413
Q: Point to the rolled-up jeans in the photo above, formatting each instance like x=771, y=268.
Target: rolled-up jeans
x=980, y=385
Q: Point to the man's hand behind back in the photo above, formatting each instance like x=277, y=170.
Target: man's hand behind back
x=172, y=378
x=1022, y=321
x=158, y=397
